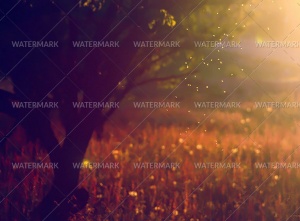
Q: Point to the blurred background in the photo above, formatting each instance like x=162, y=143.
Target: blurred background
x=246, y=135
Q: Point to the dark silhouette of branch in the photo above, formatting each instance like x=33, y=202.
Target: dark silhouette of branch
x=162, y=79
x=159, y=58
x=6, y=105
x=129, y=87
x=120, y=97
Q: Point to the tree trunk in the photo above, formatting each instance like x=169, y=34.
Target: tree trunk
x=61, y=201
x=65, y=198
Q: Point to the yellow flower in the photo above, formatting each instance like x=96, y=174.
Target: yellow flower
x=133, y=193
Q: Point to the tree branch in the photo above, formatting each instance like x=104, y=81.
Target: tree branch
x=118, y=98
x=6, y=105
x=129, y=87
x=159, y=58
x=141, y=71
x=162, y=79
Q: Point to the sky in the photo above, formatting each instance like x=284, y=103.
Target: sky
x=274, y=20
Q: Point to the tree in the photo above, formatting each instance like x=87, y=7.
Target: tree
x=67, y=74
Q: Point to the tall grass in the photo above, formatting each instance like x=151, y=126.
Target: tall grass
x=185, y=193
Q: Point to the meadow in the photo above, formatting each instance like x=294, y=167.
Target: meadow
x=183, y=193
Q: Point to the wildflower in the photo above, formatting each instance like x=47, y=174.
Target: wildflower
x=133, y=193
x=115, y=152
x=86, y=163
x=175, y=212
x=157, y=208
x=199, y=147
x=234, y=150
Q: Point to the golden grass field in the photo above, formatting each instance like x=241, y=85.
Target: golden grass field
x=185, y=193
